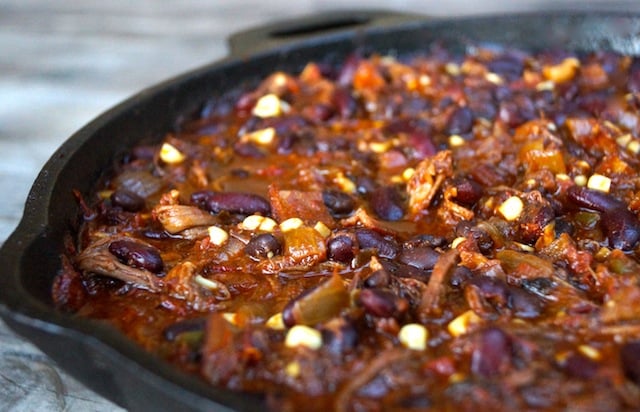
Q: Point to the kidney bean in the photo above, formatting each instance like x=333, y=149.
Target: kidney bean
x=422, y=144
x=348, y=69
x=416, y=401
x=369, y=239
x=365, y=185
x=480, y=236
x=425, y=239
x=622, y=229
x=517, y=110
x=339, y=336
x=171, y=332
x=460, y=121
x=318, y=112
x=127, y=200
x=381, y=303
x=339, y=203
x=263, y=246
x=539, y=286
x=562, y=225
x=619, y=224
x=524, y=304
x=378, y=279
x=533, y=221
x=248, y=149
x=344, y=102
x=459, y=276
x=137, y=254
x=468, y=191
x=539, y=397
x=580, y=366
x=232, y=202
x=492, y=354
x=402, y=270
x=630, y=358
x=484, y=108
x=634, y=76
x=506, y=65
x=341, y=249
x=245, y=102
x=424, y=257
x=594, y=199
x=418, y=133
x=493, y=289
x=387, y=204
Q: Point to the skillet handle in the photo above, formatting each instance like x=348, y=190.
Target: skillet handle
x=281, y=33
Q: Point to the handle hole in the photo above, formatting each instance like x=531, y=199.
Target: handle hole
x=321, y=26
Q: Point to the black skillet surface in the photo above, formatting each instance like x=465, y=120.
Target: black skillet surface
x=101, y=357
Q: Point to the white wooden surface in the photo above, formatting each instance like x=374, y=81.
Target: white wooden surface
x=63, y=62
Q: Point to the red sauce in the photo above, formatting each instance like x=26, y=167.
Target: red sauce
x=446, y=232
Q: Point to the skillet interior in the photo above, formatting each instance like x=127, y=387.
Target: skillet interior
x=102, y=358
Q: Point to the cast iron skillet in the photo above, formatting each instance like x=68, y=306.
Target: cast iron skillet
x=99, y=356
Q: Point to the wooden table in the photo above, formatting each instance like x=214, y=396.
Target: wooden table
x=63, y=62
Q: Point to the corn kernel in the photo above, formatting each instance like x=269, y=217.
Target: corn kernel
x=414, y=336
x=267, y=225
x=230, y=317
x=407, y=173
x=322, y=229
x=346, y=185
x=453, y=69
x=269, y=105
x=511, y=208
x=258, y=222
x=494, y=78
x=546, y=85
x=590, y=352
x=456, y=242
x=457, y=377
x=291, y=224
x=262, y=137
x=634, y=147
x=580, y=180
x=293, y=369
x=456, y=140
x=461, y=325
x=380, y=147
x=563, y=176
x=251, y=222
x=424, y=80
x=217, y=236
x=599, y=182
x=561, y=357
x=301, y=335
x=105, y=194
x=275, y=322
x=624, y=140
x=169, y=154
x=583, y=165
x=524, y=247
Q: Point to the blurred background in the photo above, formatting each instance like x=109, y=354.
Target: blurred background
x=63, y=62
